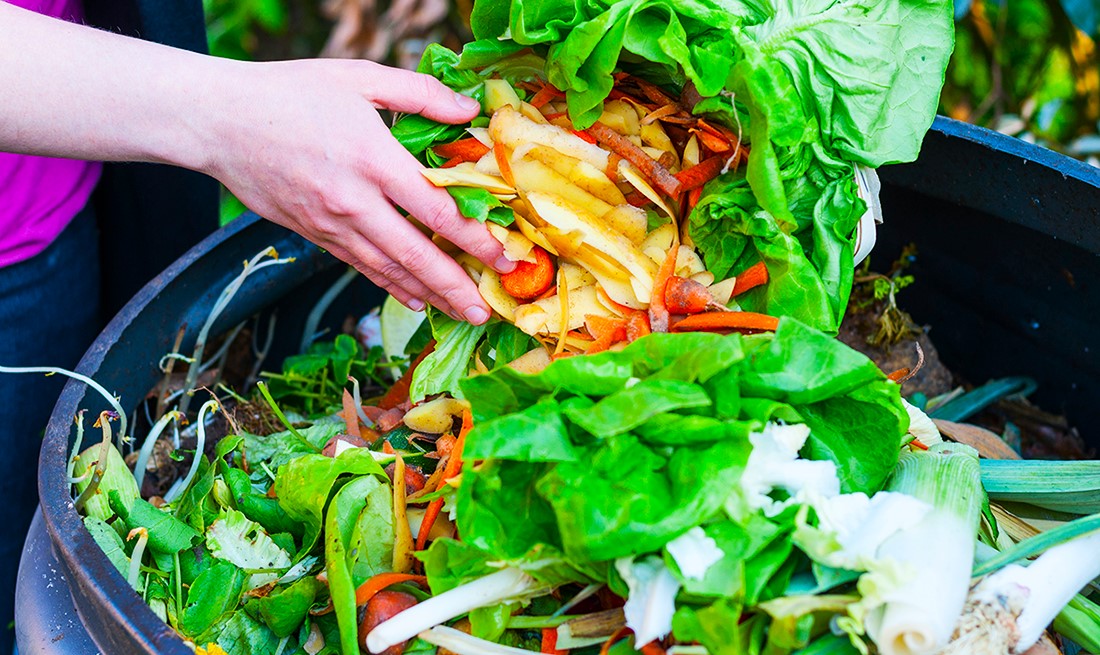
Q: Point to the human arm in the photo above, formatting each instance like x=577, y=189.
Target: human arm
x=299, y=142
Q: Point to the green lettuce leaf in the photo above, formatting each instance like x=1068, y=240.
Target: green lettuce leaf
x=303, y=487
x=441, y=371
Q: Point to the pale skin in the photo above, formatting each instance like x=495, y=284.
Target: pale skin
x=299, y=142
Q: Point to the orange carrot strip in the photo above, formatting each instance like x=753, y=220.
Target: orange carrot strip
x=662, y=112
x=917, y=443
x=586, y=135
x=452, y=162
x=727, y=322
x=606, y=332
x=703, y=172
x=684, y=296
x=545, y=95
x=350, y=416
x=549, y=293
x=503, y=163
x=454, y=465
x=651, y=91
x=615, y=638
x=469, y=149
x=898, y=374
x=658, y=312
x=660, y=176
x=753, y=277
x=653, y=648
x=712, y=142
x=529, y=280
x=399, y=392
x=549, y=645
x=693, y=197
x=377, y=583
x=612, y=170
x=637, y=325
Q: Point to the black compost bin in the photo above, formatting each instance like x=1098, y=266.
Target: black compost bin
x=1008, y=276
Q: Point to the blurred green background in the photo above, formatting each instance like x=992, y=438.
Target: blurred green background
x=1027, y=68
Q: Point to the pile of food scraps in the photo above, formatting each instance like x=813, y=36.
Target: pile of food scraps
x=656, y=444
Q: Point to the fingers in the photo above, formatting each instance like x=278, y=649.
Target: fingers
x=435, y=208
x=416, y=93
x=397, y=256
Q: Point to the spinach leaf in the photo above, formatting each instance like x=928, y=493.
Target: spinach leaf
x=480, y=205
x=285, y=608
x=214, y=593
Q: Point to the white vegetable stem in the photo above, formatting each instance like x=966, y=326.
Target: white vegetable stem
x=1051, y=582
x=495, y=588
x=460, y=643
x=920, y=614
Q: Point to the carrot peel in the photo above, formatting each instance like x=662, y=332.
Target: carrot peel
x=658, y=312
x=727, y=322
x=454, y=465
x=469, y=149
x=754, y=276
x=377, y=583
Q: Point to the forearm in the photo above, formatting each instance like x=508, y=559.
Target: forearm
x=73, y=91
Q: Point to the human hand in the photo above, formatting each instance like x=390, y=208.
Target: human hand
x=302, y=144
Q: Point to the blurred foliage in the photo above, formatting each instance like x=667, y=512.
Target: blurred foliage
x=1028, y=68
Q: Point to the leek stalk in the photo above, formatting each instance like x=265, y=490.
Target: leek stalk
x=919, y=615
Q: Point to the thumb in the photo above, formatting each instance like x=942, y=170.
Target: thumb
x=416, y=93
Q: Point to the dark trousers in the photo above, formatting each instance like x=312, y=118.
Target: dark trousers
x=49, y=314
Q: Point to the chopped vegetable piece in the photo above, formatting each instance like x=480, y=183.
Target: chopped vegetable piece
x=382, y=607
x=658, y=313
x=368, y=589
x=545, y=95
x=637, y=325
x=660, y=176
x=685, y=296
x=727, y=322
x=454, y=465
x=605, y=332
x=754, y=276
x=399, y=392
x=696, y=176
x=468, y=149
x=530, y=280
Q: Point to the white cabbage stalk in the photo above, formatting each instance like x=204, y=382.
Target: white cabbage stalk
x=774, y=464
x=694, y=553
x=1011, y=608
x=651, y=600
x=506, y=584
x=917, y=616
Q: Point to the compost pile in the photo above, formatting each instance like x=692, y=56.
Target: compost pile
x=656, y=444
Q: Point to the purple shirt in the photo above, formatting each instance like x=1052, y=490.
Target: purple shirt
x=40, y=195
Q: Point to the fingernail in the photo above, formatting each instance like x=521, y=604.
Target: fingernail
x=466, y=103
x=476, y=315
x=416, y=305
x=504, y=265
